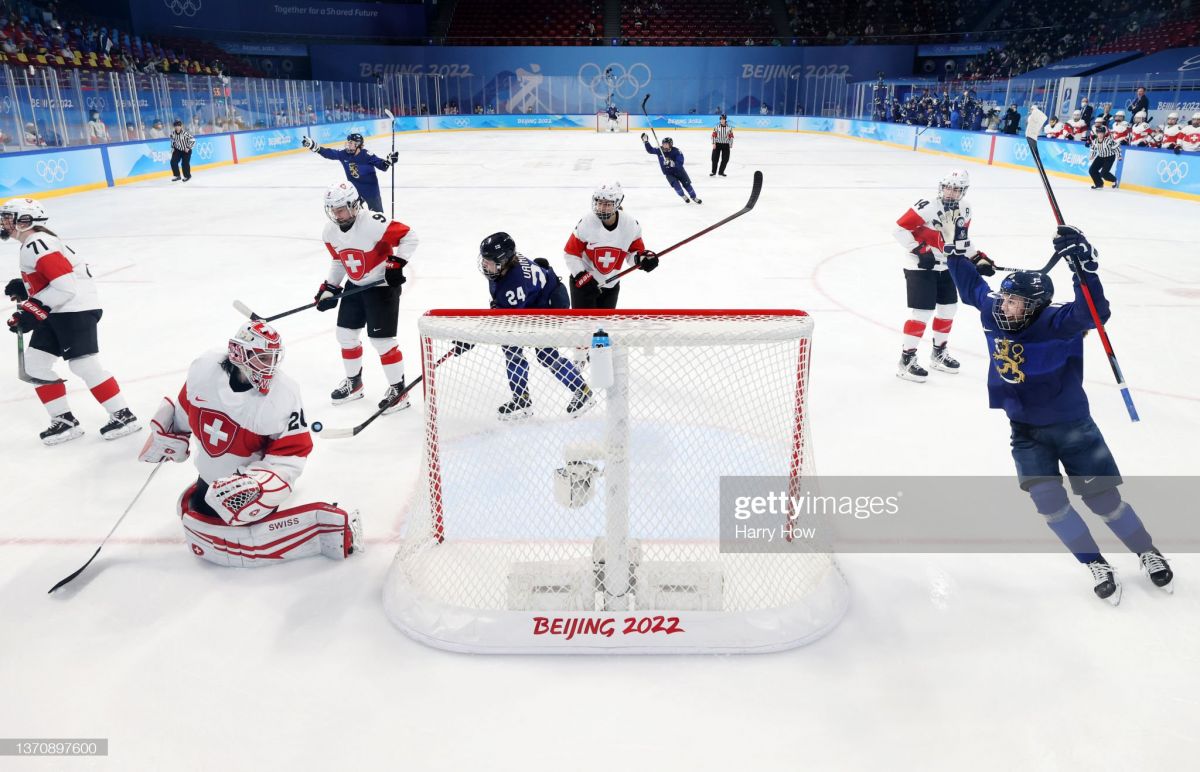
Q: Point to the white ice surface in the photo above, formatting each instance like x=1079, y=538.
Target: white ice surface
x=944, y=661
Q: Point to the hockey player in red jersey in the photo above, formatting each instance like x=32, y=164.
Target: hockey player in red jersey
x=365, y=248
x=252, y=442
x=925, y=231
x=57, y=302
x=599, y=246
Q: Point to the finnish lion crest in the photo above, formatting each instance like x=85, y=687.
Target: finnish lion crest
x=1008, y=358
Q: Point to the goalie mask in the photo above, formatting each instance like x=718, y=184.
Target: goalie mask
x=496, y=254
x=1022, y=297
x=21, y=214
x=606, y=200
x=342, y=203
x=953, y=187
x=257, y=351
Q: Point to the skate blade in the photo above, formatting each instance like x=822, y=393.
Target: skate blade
x=1168, y=588
x=396, y=408
x=585, y=407
x=904, y=375
x=943, y=368
x=59, y=439
x=517, y=415
x=1115, y=598
x=356, y=395
x=123, y=431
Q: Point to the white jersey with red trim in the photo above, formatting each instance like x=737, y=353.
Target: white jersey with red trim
x=1120, y=132
x=600, y=251
x=236, y=430
x=1172, y=136
x=1141, y=135
x=55, y=275
x=360, y=253
x=1055, y=131
x=1190, y=139
x=1076, y=129
x=928, y=223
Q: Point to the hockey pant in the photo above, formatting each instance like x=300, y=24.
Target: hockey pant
x=184, y=158
x=297, y=532
x=517, y=368
x=1101, y=170
x=372, y=199
x=680, y=181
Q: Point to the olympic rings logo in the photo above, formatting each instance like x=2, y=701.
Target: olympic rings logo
x=183, y=7
x=96, y=103
x=615, y=79
x=52, y=170
x=204, y=150
x=260, y=143
x=763, y=122
x=967, y=144
x=1173, y=172
x=1021, y=153
x=461, y=123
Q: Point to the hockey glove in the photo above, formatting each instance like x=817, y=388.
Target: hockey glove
x=164, y=446
x=925, y=259
x=327, y=297
x=644, y=137
x=30, y=313
x=646, y=260
x=311, y=144
x=394, y=272
x=984, y=264
x=16, y=291
x=1177, y=149
x=244, y=498
x=4, y=235
x=582, y=279
x=393, y=157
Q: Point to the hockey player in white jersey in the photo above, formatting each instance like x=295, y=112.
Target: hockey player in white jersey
x=57, y=302
x=1141, y=134
x=365, y=247
x=252, y=441
x=926, y=231
x=599, y=246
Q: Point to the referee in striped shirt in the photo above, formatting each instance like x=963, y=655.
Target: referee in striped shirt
x=181, y=152
x=1104, y=153
x=722, y=139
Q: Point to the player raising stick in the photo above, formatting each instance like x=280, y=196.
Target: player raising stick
x=366, y=247
x=924, y=231
x=1036, y=377
x=599, y=246
x=253, y=442
x=516, y=282
x=57, y=301
x=360, y=165
x=670, y=161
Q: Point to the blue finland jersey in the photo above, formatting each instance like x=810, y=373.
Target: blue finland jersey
x=528, y=284
x=673, y=155
x=1036, y=375
x=360, y=168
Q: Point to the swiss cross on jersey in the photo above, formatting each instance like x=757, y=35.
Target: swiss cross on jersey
x=364, y=249
x=606, y=259
x=216, y=431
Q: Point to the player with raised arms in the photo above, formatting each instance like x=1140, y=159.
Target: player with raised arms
x=670, y=162
x=1036, y=378
x=252, y=441
x=366, y=247
x=360, y=165
x=602, y=241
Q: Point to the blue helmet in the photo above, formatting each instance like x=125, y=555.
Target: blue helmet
x=1034, y=287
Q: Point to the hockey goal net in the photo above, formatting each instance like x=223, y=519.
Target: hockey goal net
x=599, y=531
x=603, y=125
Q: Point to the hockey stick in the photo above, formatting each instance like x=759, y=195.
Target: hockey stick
x=142, y=490
x=649, y=123
x=22, y=373
x=754, y=193
x=1037, y=119
x=245, y=311
x=346, y=433
x=392, y=121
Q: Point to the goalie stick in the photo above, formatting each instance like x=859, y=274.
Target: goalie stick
x=22, y=373
x=142, y=490
x=346, y=433
x=754, y=193
x=245, y=311
x=1037, y=119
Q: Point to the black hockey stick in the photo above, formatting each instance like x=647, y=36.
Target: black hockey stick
x=245, y=311
x=142, y=490
x=1033, y=128
x=754, y=193
x=22, y=373
x=392, y=121
x=346, y=433
x=657, y=144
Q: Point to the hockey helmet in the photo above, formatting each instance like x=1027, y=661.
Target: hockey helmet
x=1076, y=114
x=342, y=203
x=1196, y=117
x=497, y=253
x=19, y=214
x=355, y=138
x=1172, y=119
x=953, y=187
x=668, y=142
x=607, y=199
x=1022, y=297
x=1121, y=114
x=1140, y=117
x=257, y=351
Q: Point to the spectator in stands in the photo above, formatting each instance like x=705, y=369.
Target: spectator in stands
x=1139, y=103
x=131, y=132
x=1012, y=120
x=156, y=130
x=97, y=132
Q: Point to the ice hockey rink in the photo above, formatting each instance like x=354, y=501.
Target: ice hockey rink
x=944, y=661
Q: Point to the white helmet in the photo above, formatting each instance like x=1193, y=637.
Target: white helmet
x=1196, y=117
x=1172, y=117
x=342, y=196
x=607, y=199
x=1120, y=113
x=256, y=350
x=1076, y=114
x=1140, y=116
x=21, y=214
x=957, y=181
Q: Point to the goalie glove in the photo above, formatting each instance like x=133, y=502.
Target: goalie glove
x=240, y=499
x=164, y=444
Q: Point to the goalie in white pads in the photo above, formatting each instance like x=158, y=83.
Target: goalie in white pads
x=601, y=242
x=366, y=247
x=253, y=441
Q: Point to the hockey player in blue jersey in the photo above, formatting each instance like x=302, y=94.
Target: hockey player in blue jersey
x=516, y=282
x=1036, y=377
x=670, y=160
x=360, y=165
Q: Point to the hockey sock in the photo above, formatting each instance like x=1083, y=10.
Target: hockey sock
x=562, y=368
x=1050, y=498
x=39, y=364
x=914, y=328
x=1121, y=518
x=517, y=369
x=101, y=383
x=390, y=357
x=351, y=350
x=943, y=318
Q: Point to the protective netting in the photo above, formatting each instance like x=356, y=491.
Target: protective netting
x=615, y=507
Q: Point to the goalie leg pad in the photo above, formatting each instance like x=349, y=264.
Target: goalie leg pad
x=289, y=534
